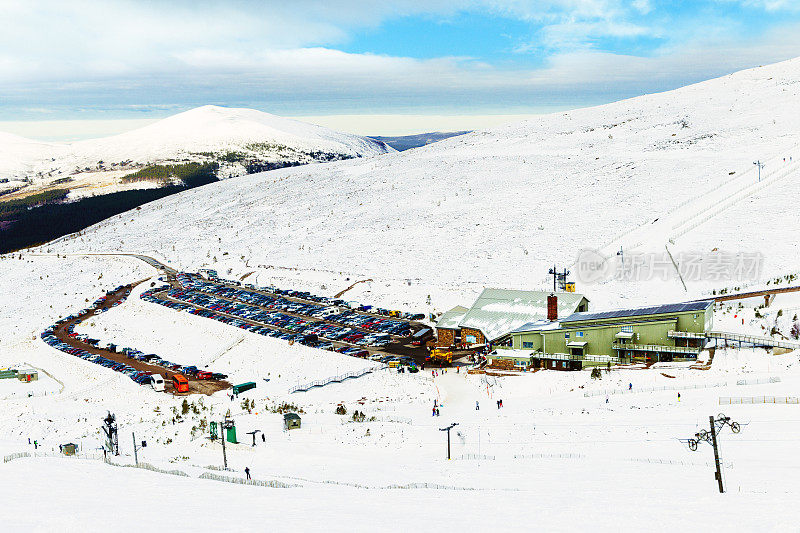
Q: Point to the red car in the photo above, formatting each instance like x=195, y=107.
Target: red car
x=202, y=374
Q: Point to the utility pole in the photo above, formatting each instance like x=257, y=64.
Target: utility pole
x=716, y=453
x=447, y=429
x=760, y=165
x=559, y=278
x=137, y=448
x=224, y=453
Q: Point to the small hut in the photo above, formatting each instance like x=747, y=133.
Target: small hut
x=291, y=421
x=69, y=449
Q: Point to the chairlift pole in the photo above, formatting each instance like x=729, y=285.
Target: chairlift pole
x=135, y=449
x=718, y=474
x=447, y=429
x=760, y=165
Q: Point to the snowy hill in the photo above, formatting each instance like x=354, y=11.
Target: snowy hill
x=21, y=157
x=240, y=140
x=495, y=207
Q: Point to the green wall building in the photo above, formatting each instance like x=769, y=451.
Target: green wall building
x=651, y=334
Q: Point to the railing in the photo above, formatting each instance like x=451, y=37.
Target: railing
x=686, y=335
x=333, y=379
x=655, y=348
x=572, y=357
x=755, y=340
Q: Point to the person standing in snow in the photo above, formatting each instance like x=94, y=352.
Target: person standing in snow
x=477, y=406
x=247, y=471
x=679, y=396
x=630, y=386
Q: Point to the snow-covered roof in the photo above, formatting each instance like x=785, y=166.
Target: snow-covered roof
x=539, y=325
x=450, y=319
x=500, y=311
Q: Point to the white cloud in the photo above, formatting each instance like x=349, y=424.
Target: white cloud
x=242, y=51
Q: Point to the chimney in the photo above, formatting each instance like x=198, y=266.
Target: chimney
x=552, y=308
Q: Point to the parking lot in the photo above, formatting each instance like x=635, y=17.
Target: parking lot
x=294, y=317
x=131, y=362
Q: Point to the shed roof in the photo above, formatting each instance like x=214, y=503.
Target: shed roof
x=497, y=312
x=291, y=416
x=640, y=311
x=450, y=319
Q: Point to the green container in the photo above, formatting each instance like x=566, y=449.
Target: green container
x=238, y=389
x=231, y=435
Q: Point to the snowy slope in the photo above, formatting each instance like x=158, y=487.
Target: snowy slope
x=22, y=157
x=491, y=208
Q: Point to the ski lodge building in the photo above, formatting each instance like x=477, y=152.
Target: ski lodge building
x=648, y=334
x=498, y=312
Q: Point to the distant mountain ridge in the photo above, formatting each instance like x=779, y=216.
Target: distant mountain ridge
x=407, y=142
x=240, y=141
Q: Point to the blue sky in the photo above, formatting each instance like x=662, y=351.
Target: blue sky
x=71, y=59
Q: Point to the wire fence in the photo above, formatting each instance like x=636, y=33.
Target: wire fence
x=754, y=381
x=243, y=481
x=749, y=400
x=550, y=456
x=475, y=457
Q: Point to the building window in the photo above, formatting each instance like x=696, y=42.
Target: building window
x=527, y=344
x=563, y=365
x=566, y=335
x=627, y=329
x=579, y=334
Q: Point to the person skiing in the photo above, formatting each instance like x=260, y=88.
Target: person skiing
x=477, y=406
x=247, y=471
x=263, y=438
x=679, y=396
x=606, y=399
x=630, y=386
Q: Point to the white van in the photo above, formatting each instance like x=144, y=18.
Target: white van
x=157, y=381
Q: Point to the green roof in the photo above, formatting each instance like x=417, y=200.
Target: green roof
x=497, y=312
x=450, y=319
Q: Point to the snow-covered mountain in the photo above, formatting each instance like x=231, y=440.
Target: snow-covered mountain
x=498, y=207
x=240, y=140
x=21, y=157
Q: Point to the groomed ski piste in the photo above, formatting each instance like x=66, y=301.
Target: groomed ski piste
x=565, y=452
